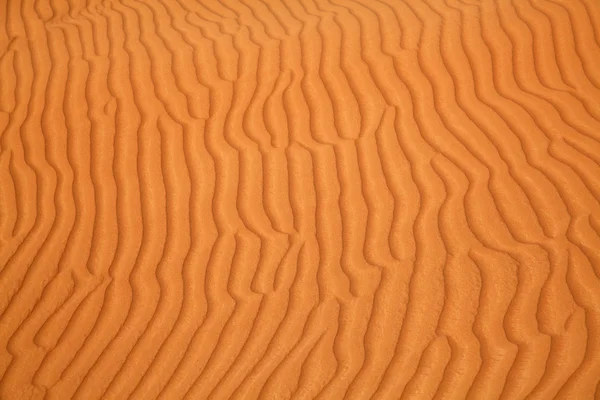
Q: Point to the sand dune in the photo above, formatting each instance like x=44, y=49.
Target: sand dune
x=320, y=199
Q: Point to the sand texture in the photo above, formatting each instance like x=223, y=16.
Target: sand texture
x=299, y=199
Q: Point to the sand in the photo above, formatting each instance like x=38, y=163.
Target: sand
x=305, y=199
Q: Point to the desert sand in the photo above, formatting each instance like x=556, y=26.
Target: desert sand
x=299, y=199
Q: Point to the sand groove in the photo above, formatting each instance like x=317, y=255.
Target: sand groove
x=317, y=199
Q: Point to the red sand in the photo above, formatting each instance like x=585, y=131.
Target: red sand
x=386, y=199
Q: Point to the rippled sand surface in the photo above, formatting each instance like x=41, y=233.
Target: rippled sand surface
x=299, y=199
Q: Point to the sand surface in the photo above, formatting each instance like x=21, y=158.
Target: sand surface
x=306, y=199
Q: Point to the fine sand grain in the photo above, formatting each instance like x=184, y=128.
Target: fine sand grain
x=299, y=199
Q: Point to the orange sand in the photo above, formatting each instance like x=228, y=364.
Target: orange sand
x=242, y=199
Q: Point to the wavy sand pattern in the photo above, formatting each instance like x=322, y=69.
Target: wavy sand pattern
x=320, y=199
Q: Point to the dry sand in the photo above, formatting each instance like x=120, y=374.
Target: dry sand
x=215, y=199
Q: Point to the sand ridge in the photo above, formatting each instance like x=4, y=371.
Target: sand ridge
x=307, y=199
